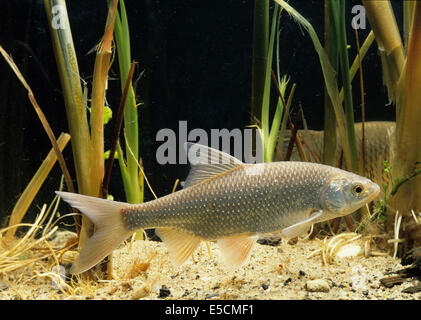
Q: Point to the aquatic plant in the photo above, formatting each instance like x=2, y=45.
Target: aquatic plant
x=337, y=50
x=34, y=185
x=271, y=132
x=260, y=51
x=402, y=75
x=130, y=165
x=87, y=141
x=17, y=253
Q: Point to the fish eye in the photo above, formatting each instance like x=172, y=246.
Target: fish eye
x=357, y=190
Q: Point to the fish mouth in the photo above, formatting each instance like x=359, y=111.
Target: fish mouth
x=373, y=190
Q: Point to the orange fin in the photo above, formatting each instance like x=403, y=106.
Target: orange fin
x=181, y=245
x=236, y=249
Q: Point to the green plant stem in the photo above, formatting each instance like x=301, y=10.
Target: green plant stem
x=338, y=14
x=266, y=92
x=276, y=122
x=130, y=167
x=116, y=134
x=284, y=122
x=329, y=135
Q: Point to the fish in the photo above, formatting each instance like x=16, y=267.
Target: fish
x=379, y=146
x=227, y=201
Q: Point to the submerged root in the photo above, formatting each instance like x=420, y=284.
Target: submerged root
x=346, y=244
x=18, y=253
x=36, y=249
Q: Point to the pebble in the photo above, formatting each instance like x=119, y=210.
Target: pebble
x=141, y=293
x=265, y=286
x=164, y=292
x=211, y=295
x=301, y=273
x=318, y=285
x=3, y=285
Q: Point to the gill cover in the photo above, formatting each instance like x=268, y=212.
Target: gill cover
x=333, y=197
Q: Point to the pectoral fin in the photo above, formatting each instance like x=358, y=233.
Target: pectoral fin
x=301, y=227
x=181, y=245
x=236, y=249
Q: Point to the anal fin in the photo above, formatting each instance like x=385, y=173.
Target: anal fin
x=181, y=245
x=236, y=249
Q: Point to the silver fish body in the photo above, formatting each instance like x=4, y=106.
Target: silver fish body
x=226, y=200
x=273, y=197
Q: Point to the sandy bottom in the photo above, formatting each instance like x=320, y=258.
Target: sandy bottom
x=280, y=272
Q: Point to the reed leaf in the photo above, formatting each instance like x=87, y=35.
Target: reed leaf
x=129, y=165
x=382, y=20
x=68, y=72
x=408, y=12
x=338, y=14
x=99, y=87
x=276, y=122
x=408, y=119
x=356, y=64
x=266, y=91
x=329, y=133
x=260, y=52
x=285, y=119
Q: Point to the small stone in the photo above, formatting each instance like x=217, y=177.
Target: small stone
x=126, y=285
x=164, y=292
x=301, y=273
x=287, y=281
x=365, y=292
x=141, y=293
x=265, y=286
x=186, y=293
x=412, y=290
x=318, y=285
x=3, y=285
x=211, y=295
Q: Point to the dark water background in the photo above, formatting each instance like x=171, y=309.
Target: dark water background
x=197, y=61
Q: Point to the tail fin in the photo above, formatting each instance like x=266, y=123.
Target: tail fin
x=110, y=228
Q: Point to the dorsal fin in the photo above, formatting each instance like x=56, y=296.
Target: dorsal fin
x=206, y=163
